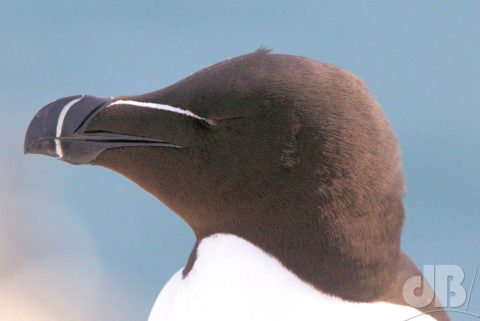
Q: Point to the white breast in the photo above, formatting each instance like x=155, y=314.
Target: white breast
x=233, y=279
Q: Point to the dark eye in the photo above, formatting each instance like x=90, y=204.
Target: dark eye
x=207, y=123
x=211, y=122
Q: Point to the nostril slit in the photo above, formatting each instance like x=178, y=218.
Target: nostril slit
x=87, y=118
x=98, y=131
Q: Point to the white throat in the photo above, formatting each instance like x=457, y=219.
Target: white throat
x=232, y=279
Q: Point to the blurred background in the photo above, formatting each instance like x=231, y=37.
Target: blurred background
x=84, y=243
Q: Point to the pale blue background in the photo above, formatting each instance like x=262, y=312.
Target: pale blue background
x=85, y=243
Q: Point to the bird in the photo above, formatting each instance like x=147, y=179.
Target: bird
x=287, y=171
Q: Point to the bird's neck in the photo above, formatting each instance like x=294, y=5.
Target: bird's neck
x=229, y=271
x=338, y=257
x=335, y=260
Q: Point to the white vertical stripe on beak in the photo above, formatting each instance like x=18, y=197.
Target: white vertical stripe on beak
x=61, y=119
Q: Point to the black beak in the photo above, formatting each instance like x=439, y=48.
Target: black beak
x=59, y=130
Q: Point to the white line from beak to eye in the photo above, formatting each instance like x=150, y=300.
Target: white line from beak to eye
x=61, y=119
x=172, y=109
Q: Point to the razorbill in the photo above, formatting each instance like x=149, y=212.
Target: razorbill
x=286, y=170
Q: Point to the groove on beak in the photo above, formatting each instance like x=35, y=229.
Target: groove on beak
x=58, y=130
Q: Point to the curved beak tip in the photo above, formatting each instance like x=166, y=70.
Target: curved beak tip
x=59, y=120
x=39, y=133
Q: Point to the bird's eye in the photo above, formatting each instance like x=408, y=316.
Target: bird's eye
x=211, y=122
x=208, y=123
